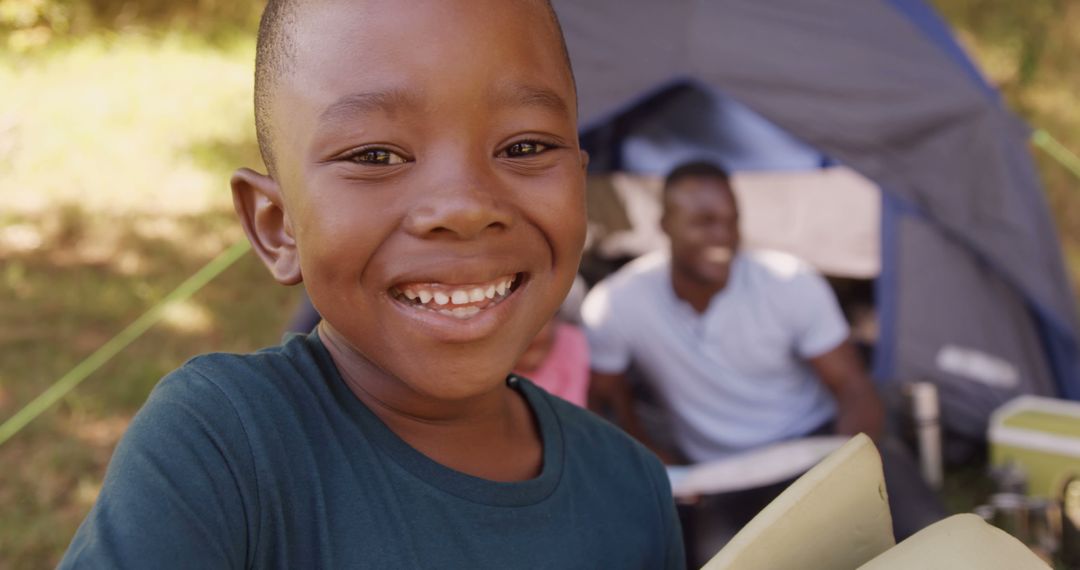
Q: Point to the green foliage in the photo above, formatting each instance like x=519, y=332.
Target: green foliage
x=28, y=25
x=1018, y=32
x=1029, y=50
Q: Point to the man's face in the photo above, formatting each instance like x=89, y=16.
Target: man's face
x=433, y=182
x=702, y=220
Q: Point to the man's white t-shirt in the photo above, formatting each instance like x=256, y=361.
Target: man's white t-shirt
x=734, y=377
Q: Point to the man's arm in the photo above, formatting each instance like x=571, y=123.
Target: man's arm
x=610, y=396
x=858, y=407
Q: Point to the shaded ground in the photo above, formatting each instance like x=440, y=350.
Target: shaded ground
x=67, y=298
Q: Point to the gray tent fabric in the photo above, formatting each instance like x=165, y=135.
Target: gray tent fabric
x=669, y=135
x=980, y=364
x=861, y=82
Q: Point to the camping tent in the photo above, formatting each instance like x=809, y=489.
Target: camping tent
x=972, y=293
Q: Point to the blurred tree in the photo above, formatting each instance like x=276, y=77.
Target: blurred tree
x=30, y=24
x=27, y=24
x=1018, y=31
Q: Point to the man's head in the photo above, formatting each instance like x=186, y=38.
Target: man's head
x=423, y=156
x=702, y=220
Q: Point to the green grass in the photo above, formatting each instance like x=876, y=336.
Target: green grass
x=124, y=124
x=62, y=309
x=115, y=154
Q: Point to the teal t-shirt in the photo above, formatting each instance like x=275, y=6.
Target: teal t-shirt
x=268, y=460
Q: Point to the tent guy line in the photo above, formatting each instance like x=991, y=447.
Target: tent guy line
x=1057, y=151
x=132, y=332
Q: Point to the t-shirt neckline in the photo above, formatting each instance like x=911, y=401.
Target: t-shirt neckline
x=462, y=485
x=681, y=305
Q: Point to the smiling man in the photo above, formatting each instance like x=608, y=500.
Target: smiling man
x=743, y=348
x=425, y=184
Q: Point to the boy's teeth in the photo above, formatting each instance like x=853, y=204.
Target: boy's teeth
x=457, y=296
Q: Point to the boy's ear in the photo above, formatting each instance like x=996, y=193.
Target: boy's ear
x=584, y=161
x=261, y=207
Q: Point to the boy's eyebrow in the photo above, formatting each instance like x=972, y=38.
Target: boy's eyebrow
x=510, y=93
x=373, y=101
x=515, y=93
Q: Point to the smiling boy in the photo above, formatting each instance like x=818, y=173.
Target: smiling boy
x=425, y=184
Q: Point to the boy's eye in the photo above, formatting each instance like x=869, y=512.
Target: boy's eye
x=525, y=148
x=379, y=156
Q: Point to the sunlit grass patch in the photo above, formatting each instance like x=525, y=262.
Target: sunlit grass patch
x=117, y=124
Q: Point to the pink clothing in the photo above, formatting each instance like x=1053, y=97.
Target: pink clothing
x=565, y=370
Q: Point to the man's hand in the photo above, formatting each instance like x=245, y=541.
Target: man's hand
x=859, y=408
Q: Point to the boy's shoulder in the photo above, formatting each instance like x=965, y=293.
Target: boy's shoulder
x=269, y=375
x=594, y=440
x=292, y=348
x=576, y=420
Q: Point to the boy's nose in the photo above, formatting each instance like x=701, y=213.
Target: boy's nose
x=463, y=213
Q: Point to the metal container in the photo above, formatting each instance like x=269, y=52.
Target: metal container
x=1044, y=525
x=985, y=512
x=1009, y=477
x=1011, y=515
x=1069, y=553
x=925, y=413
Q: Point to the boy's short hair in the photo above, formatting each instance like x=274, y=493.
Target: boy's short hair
x=275, y=51
x=695, y=169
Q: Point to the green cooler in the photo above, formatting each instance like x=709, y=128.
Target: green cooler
x=1042, y=437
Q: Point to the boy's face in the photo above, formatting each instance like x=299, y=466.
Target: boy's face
x=427, y=153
